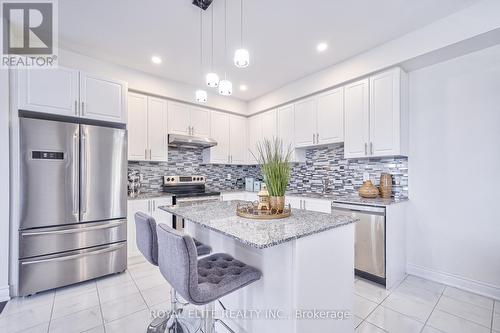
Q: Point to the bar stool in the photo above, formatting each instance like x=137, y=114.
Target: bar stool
x=147, y=243
x=202, y=281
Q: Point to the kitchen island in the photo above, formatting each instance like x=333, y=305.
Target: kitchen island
x=307, y=261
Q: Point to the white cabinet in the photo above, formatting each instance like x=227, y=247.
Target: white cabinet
x=237, y=139
x=51, y=91
x=319, y=120
x=150, y=207
x=137, y=127
x=376, y=116
x=269, y=125
x=157, y=129
x=330, y=117
x=356, y=119
x=147, y=128
x=317, y=205
x=230, y=133
x=69, y=92
x=102, y=98
x=188, y=120
x=286, y=129
x=254, y=136
x=305, y=122
x=388, y=114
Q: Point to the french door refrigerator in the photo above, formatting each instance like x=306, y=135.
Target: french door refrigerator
x=73, y=203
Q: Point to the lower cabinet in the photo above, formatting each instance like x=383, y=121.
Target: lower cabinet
x=148, y=206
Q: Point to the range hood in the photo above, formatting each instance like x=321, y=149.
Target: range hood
x=188, y=141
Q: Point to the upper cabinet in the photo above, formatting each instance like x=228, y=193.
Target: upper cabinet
x=254, y=125
x=286, y=130
x=147, y=128
x=102, y=98
x=319, y=120
x=51, y=91
x=269, y=125
x=376, y=116
x=188, y=120
x=69, y=92
x=230, y=133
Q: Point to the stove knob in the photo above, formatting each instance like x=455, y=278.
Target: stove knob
x=168, y=179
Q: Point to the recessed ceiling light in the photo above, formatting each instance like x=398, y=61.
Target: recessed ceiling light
x=243, y=87
x=156, y=60
x=321, y=47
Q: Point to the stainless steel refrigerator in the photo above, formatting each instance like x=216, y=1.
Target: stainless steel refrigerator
x=73, y=209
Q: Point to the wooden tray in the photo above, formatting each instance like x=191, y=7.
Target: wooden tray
x=250, y=211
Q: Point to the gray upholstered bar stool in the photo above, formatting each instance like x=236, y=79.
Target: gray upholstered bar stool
x=202, y=281
x=147, y=243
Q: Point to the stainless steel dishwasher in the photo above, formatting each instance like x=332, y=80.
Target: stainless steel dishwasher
x=369, y=248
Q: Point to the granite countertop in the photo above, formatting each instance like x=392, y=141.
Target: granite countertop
x=220, y=216
x=152, y=195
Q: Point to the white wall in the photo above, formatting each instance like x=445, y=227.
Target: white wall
x=148, y=83
x=454, y=172
x=451, y=36
x=4, y=189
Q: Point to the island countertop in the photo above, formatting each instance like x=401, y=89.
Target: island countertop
x=220, y=216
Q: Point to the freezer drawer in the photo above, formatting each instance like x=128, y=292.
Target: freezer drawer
x=36, y=242
x=66, y=268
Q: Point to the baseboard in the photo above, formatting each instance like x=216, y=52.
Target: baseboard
x=4, y=293
x=473, y=286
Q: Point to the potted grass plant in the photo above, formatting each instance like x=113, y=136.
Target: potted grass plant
x=274, y=160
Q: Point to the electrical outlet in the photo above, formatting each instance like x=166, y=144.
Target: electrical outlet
x=228, y=176
x=366, y=176
x=141, y=177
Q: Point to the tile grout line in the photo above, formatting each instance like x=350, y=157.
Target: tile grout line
x=100, y=307
x=433, y=309
x=51, y=311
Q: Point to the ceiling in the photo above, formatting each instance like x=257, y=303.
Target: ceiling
x=281, y=35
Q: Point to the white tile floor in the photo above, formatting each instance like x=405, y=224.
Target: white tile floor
x=121, y=303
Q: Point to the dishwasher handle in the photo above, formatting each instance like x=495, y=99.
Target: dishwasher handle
x=372, y=210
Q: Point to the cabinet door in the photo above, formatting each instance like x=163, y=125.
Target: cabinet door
x=51, y=91
x=305, y=122
x=157, y=129
x=385, y=113
x=137, y=127
x=200, y=122
x=135, y=206
x=159, y=215
x=286, y=130
x=331, y=116
x=295, y=202
x=254, y=137
x=269, y=125
x=178, y=118
x=356, y=119
x=221, y=133
x=237, y=140
x=102, y=98
x=323, y=206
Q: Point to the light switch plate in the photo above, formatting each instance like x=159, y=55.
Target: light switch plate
x=366, y=176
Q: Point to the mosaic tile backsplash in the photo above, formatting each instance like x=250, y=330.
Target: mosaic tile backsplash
x=325, y=170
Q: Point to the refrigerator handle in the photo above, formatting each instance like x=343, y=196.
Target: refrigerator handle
x=75, y=175
x=83, y=184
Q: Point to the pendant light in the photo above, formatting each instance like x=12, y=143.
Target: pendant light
x=225, y=86
x=212, y=79
x=241, y=55
x=200, y=94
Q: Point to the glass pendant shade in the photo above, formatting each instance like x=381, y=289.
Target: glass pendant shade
x=241, y=58
x=225, y=87
x=212, y=80
x=201, y=96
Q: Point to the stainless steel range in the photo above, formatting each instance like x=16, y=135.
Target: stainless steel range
x=188, y=188
x=73, y=223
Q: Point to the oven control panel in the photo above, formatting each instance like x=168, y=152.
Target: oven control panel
x=183, y=180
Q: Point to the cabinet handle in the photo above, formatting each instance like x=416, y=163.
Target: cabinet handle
x=192, y=130
x=314, y=138
x=149, y=206
x=83, y=106
x=76, y=107
x=154, y=205
x=317, y=137
x=371, y=148
x=146, y=154
x=366, y=148
x=150, y=155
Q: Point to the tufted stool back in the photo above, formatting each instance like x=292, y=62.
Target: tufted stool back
x=177, y=259
x=146, y=239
